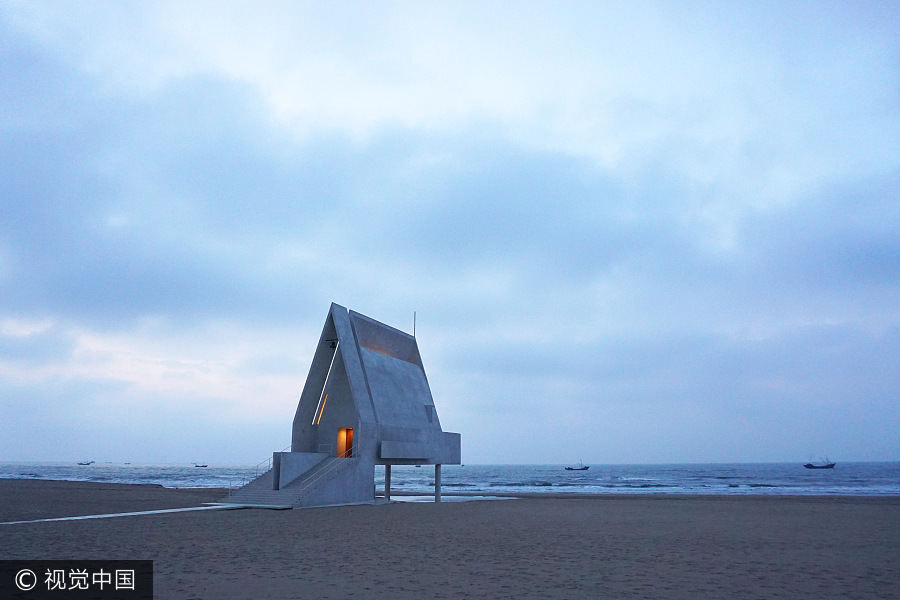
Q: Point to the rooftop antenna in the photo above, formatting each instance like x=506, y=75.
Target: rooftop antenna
x=414, y=323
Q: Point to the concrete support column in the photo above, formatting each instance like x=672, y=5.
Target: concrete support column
x=387, y=482
x=276, y=470
x=437, y=483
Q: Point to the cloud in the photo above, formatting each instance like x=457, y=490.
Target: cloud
x=40, y=347
x=650, y=224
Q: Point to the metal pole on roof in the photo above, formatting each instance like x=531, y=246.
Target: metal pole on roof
x=414, y=323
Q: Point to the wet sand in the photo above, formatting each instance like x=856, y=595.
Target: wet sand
x=586, y=547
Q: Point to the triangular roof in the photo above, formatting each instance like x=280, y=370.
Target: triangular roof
x=378, y=370
x=366, y=402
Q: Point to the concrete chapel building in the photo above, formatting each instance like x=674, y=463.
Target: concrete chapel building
x=366, y=402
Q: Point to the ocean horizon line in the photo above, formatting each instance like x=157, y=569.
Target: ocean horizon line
x=881, y=478
x=198, y=464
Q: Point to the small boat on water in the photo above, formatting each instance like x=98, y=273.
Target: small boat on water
x=200, y=466
x=86, y=463
x=581, y=467
x=827, y=464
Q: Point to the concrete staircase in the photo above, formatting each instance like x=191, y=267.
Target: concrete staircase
x=259, y=493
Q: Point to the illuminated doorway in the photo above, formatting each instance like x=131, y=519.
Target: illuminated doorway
x=345, y=442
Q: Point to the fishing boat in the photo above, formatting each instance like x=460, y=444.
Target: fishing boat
x=824, y=465
x=86, y=463
x=200, y=466
x=581, y=467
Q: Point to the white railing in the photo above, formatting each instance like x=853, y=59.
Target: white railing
x=261, y=468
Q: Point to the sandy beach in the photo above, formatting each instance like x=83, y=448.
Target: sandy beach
x=600, y=547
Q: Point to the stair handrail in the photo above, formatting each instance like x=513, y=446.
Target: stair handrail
x=260, y=469
x=308, y=485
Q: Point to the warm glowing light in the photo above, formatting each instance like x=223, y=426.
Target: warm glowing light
x=322, y=408
x=345, y=442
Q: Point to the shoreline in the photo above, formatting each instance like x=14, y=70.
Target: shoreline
x=24, y=499
x=868, y=479
x=624, y=546
x=669, y=495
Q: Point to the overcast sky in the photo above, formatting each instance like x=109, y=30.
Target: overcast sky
x=632, y=232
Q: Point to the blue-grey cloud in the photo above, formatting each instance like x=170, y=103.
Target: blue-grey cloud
x=38, y=347
x=683, y=227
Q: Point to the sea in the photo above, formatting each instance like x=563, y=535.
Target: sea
x=845, y=479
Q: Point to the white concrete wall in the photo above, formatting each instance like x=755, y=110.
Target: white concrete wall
x=288, y=466
x=399, y=390
x=339, y=411
x=354, y=484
